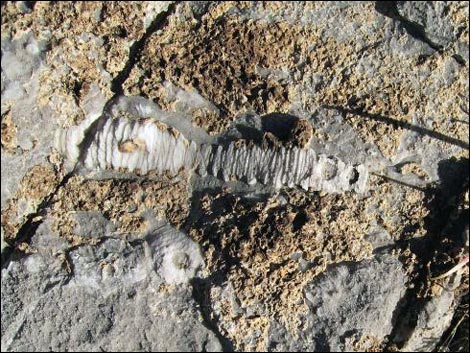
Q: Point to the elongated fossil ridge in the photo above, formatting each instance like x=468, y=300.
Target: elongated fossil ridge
x=147, y=145
x=141, y=145
x=284, y=166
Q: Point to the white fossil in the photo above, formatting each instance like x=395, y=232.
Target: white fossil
x=177, y=257
x=142, y=145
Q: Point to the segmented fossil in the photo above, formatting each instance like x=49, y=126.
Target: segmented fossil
x=141, y=145
x=146, y=145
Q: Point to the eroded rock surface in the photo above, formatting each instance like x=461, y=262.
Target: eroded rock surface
x=232, y=175
x=103, y=297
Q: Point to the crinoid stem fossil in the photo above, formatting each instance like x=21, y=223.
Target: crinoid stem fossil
x=144, y=145
x=140, y=145
x=282, y=166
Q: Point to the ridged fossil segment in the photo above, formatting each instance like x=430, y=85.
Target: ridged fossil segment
x=141, y=145
x=284, y=166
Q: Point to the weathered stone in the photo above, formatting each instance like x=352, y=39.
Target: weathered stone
x=352, y=301
x=152, y=159
x=105, y=297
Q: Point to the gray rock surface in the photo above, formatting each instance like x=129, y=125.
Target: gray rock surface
x=433, y=321
x=21, y=69
x=110, y=251
x=432, y=19
x=106, y=297
x=351, y=301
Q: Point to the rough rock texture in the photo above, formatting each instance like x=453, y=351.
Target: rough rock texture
x=433, y=320
x=156, y=191
x=343, y=302
x=104, y=297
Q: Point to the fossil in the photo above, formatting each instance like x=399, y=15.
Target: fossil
x=284, y=166
x=177, y=257
x=142, y=145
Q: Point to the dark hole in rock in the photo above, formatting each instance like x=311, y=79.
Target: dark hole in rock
x=299, y=220
x=354, y=176
x=280, y=125
x=250, y=133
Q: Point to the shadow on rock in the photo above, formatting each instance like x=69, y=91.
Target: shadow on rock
x=445, y=224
